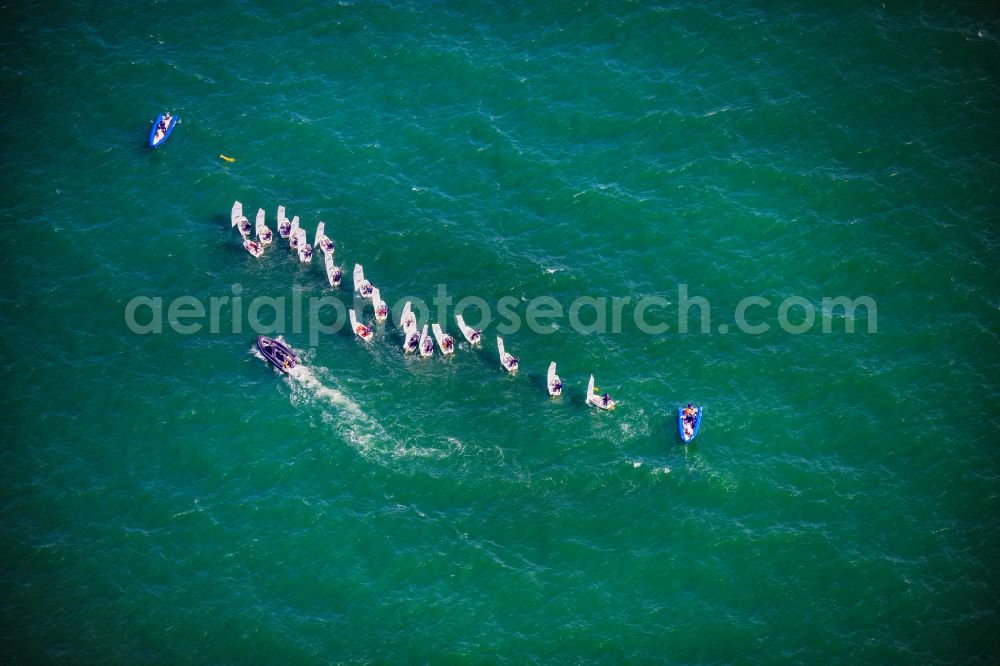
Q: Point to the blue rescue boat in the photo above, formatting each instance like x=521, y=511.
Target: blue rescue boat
x=688, y=424
x=163, y=127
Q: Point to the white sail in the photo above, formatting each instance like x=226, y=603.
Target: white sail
x=411, y=340
x=362, y=287
x=284, y=226
x=237, y=212
x=446, y=343
x=552, y=380
x=331, y=271
x=590, y=389
x=381, y=309
x=506, y=360
x=294, y=231
x=473, y=336
x=305, y=250
x=425, y=348
x=359, y=276
x=323, y=241
x=407, y=320
x=260, y=229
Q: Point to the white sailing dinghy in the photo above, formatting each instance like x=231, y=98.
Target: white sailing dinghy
x=284, y=226
x=240, y=220
x=411, y=336
x=446, y=343
x=508, y=361
x=426, y=343
x=305, y=249
x=553, y=381
x=264, y=235
x=323, y=241
x=333, y=273
x=474, y=336
x=293, y=233
x=319, y=234
x=381, y=309
x=362, y=287
x=602, y=401
x=362, y=331
x=407, y=320
x=254, y=248
x=411, y=340
x=237, y=212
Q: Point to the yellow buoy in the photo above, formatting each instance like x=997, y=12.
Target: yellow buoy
x=228, y=159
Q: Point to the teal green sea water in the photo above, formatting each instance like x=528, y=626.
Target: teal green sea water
x=170, y=498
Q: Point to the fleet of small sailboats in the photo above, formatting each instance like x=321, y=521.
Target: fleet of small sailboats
x=414, y=339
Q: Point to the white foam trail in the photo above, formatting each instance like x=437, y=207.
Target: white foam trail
x=352, y=423
x=363, y=432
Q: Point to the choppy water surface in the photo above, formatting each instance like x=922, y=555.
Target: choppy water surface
x=171, y=498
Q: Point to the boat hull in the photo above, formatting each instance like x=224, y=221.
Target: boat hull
x=694, y=430
x=153, y=141
x=277, y=353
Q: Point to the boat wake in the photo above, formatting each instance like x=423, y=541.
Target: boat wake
x=312, y=387
x=352, y=423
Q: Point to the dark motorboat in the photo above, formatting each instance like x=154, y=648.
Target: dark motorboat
x=279, y=355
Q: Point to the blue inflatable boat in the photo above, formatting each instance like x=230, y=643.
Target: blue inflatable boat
x=158, y=135
x=688, y=426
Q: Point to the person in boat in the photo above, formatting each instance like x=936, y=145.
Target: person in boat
x=161, y=129
x=606, y=399
x=690, y=413
x=428, y=345
x=364, y=331
x=475, y=335
x=448, y=343
x=383, y=310
x=557, y=385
